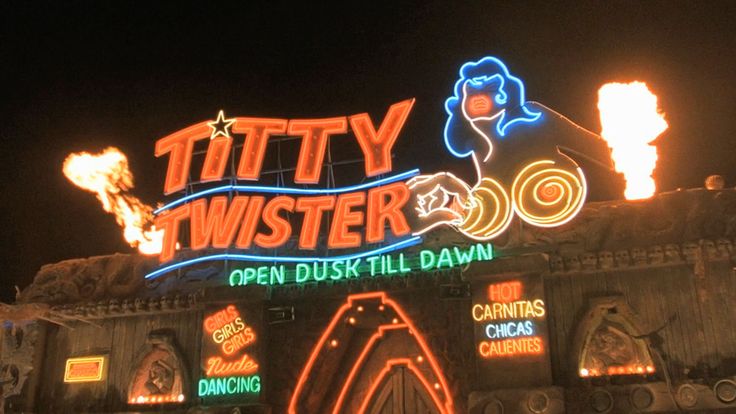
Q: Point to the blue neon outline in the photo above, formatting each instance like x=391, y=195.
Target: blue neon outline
x=287, y=259
x=287, y=190
x=502, y=125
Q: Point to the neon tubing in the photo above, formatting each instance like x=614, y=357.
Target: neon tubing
x=444, y=389
x=289, y=259
x=287, y=190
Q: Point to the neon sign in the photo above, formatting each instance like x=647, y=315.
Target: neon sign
x=85, y=369
x=379, y=265
x=229, y=386
x=227, y=362
x=487, y=107
x=369, y=312
x=486, y=114
x=220, y=222
x=508, y=321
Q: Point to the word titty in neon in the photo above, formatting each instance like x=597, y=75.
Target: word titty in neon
x=380, y=265
x=376, y=144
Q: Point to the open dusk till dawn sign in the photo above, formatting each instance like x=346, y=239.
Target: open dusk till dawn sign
x=523, y=154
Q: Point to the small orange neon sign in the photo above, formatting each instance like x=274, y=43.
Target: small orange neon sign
x=84, y=369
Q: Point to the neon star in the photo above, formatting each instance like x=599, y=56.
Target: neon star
x=220, y=125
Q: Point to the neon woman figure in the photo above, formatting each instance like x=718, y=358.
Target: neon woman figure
x=520, y=153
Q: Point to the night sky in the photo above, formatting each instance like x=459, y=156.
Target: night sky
x=84, y=76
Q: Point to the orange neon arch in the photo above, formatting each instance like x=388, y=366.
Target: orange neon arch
x=401, y=324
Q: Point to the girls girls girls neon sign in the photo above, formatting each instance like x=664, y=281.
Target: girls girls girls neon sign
x=486, y=110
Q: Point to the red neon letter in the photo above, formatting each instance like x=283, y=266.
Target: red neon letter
x=169, y=223
x=215, y=225
x=312, y=207
x=180, y=144
x=218, y=152
x=280, y=228
x=377, y=146
x=505, y=292
x=381, y=211
x=340, y=236
x=314, y=142
x=250, y=222
x=257, y=131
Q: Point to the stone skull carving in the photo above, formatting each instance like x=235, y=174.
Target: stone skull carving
x=689, y=250
x=556, y=264
x=672, y=253
x=572, y=263
x=101, y=307
x=656, y=255
x=709, y=248
x=724, y=247
x=140, y=304
x=639, y=256
x=153, y=304
x=622, y=258
x=589, y=261
x=605, y=259
x=166, y=302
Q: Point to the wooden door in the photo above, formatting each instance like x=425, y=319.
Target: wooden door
x=402, y=393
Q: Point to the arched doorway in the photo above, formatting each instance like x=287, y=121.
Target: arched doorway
x=371, y=359
x=400, y=391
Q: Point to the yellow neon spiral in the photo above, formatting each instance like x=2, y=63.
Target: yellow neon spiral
x=489, y=211
x=547, y=196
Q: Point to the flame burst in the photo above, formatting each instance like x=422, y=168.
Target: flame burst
x=107, y=175
x=630, y=121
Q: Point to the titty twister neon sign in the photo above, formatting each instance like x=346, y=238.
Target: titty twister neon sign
x=487, y=108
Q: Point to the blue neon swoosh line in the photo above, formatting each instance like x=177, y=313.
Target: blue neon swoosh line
x=289, y=259
x=287, y=190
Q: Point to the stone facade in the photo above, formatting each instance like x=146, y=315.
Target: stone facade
x=660, y=271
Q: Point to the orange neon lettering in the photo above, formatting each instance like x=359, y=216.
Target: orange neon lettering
x=169, y=223
x=510, y=347
x=280, y=228
x=381, y=211
x=340, y=234
x=315, y=133
x=250, y=222
x=377, y=146
x=257, y=132
x=312, y=207
x=216, y=366
x=218, y=152
x=220, y=318
x=180, y=144
x=213, y=224
x=505, y=292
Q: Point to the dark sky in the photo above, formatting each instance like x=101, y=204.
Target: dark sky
x=84, y=76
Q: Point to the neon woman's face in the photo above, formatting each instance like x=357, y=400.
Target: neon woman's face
x=479, y=104
x=479, y=100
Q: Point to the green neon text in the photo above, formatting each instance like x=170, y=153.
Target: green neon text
x=209, y=387
x=375, y=266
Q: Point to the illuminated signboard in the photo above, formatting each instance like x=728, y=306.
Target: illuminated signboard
x=388, y=264
x=508, y=320
x=510, y=325
x=511, y=143
x=85, y=369
x=229, y=363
